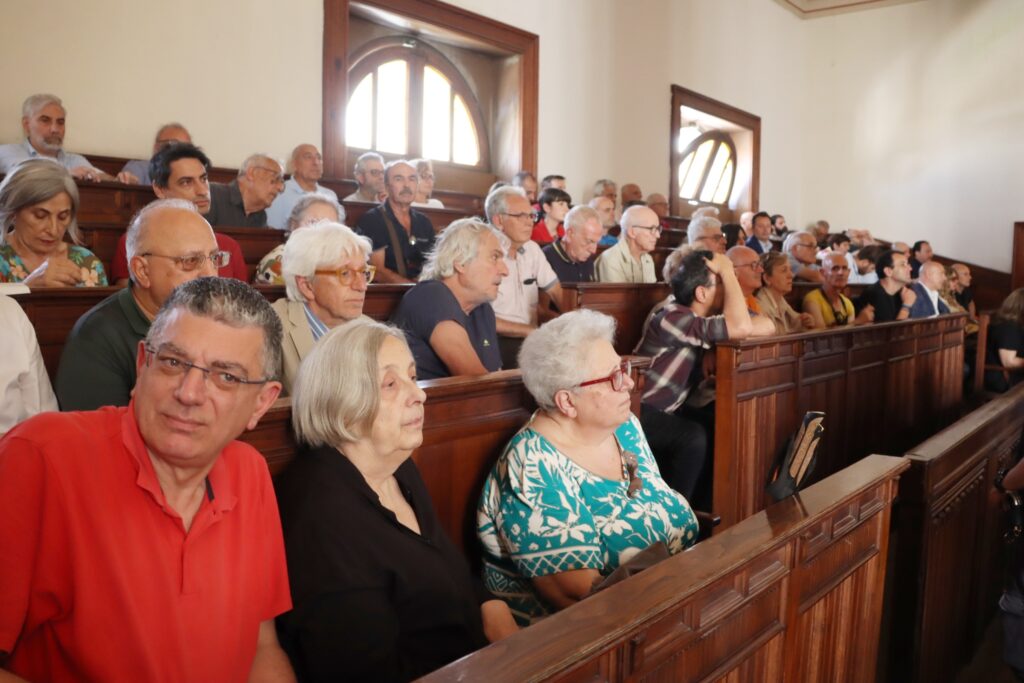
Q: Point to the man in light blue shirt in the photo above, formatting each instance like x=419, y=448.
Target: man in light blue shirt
x=42, y=119
x=136, y=171
x=307, y=167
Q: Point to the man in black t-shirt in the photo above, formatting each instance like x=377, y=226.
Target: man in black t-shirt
x=961, y=287
x=572, y=256
x=447, y=317
x=890, y=297
x=401, y=235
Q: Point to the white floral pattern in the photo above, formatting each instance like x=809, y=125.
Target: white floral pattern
x=540, y=513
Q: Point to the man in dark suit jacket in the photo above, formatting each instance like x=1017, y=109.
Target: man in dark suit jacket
x=927, y=287
x=761, y=227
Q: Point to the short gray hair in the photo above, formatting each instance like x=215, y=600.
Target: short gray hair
x=336, y=394
x=228, y=301
x=31, y=182
x=599, y=186
x=33, y=103
x=141, y=219
x=173, y=125
x=579, y=216
x=497, y=201
x=698, y=225
x=360, y=165
x=457, y=244
x=315, y=246
x=308, y=200
x=253, y=159
x=793, y=237
x=552, y=356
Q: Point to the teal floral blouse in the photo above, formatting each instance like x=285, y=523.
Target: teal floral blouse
x=12, y=269
x=540, y=513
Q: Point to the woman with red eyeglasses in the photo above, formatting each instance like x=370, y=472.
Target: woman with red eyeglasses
x=577, y=491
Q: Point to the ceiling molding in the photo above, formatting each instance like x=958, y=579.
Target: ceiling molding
x=811, y=9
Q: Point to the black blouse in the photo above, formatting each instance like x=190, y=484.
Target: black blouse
x=373, y=601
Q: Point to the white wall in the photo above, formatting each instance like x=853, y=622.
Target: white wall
x=914, y=124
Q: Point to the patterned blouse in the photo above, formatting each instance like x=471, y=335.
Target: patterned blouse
x=269, y=270
x=540, y=513
x=13, y=269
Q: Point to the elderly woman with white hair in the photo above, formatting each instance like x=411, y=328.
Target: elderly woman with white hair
x=577, y=491
x=379, y=592
x=310, y=208
x=38, y=206
x=326, y=273
x=447, y=315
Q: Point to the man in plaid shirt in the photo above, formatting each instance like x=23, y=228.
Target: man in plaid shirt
x=708, y=307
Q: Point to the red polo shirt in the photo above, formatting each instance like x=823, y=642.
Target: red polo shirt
x=99, y=579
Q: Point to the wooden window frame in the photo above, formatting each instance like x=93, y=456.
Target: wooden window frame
x=336, y=61
x=381, y=50
x=682, y=97
x=720, y=138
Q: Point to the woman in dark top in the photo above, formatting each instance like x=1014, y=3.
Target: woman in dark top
x=1005, y=344
x=379, y=592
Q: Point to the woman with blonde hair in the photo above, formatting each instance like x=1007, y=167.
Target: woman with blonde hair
x=778, y=282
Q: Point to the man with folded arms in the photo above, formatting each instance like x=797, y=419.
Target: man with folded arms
x=143, y=543
x=168, y=243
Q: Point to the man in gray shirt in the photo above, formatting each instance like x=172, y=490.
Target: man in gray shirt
x=243, y=202
x=136, y=171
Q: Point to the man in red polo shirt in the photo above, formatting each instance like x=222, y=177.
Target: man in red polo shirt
x=142, y=543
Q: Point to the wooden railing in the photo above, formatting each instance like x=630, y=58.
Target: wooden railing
x=794, y=593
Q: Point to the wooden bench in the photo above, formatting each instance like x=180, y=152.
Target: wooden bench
x=467, y=422
x=949, y=557
x=882, y=387
x=793, y=593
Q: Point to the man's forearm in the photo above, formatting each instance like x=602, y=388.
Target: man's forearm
x=388, y=276
x=507, y=328
x=737, y=319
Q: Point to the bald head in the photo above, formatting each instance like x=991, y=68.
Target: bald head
x=631, y=193
x=932, y=275
x=658, y=204
x=642, y=227
x=307, y=165
x=747, y=265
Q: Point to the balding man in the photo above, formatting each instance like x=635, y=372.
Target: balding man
x=630, y=259
x=962, y=288
x=747, y=265
x=369, y=174
x=168, y=243
x=243, y=202
x=136, y=171
x=658, y=204
x=631, y=194
x=43, y=120
x=402, y=236
x=307, y=167
x=927, y=287
x=572, y=256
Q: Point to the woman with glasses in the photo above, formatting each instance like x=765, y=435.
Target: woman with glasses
x=425, y=184
x=778, y=282
x=577, y=491
x=827, y=304
x=326, y=274
x=554, y=204
x=38, y=205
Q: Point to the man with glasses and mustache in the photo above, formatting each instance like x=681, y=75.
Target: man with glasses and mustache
x=402, y=236
x=143, y=543
x=168, y=243
x=630, y=259
x=243, y=202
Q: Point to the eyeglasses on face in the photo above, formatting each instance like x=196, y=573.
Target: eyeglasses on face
x=617, y=378
x=518, y=216
x=755, y=266
x=656, y=229
x=172, y=365
x=717, y=237
x=190, y=262
x=345, y=275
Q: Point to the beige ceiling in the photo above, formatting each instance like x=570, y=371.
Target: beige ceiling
x=809, y=9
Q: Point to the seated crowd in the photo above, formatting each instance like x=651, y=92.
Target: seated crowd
x=340, y=568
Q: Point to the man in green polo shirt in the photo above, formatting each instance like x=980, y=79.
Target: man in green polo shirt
x=169, y=242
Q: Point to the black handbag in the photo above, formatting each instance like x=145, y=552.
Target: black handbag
x=796, y=459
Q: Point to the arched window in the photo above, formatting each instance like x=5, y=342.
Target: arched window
x=708, y=168
x=408, y=99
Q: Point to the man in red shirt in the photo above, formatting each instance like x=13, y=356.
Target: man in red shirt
x=142, y=543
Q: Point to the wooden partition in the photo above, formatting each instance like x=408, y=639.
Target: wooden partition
x=467, y=422
x=439, y=218
x=949, y=552
x=882, y=387
x=793, y=593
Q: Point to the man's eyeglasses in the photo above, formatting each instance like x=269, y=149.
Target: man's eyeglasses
x=717, y=237
x=656, y=229
x=276, y=176
x=345, y=275
x=519, y=216
x=617, y=378
x=636, y=482
x=190, y=262
x=754, y=266
x=171, y=365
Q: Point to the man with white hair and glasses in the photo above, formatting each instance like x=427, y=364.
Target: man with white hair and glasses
x=447, y=315
x=326, y=274
x=168, y=243
x=630, y=259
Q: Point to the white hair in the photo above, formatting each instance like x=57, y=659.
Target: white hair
x=698, y=225
x=33, y=103
x=599, y=186
x=791, y=240
x=457, y=244
x=626, y=221
x=579, y=216
x=133, y=238
x=253, y=159
x=497, y=201
x=311, y=199
x=319, y=245
x=360, y=165
x=553, y=357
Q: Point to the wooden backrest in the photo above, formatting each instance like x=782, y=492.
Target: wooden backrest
x=793, y=593
x=882, y=387
x=950, y=557
x=467, y=422
x=439, y=218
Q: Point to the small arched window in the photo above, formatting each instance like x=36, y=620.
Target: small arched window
x=408, y=99
x=708, y=169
